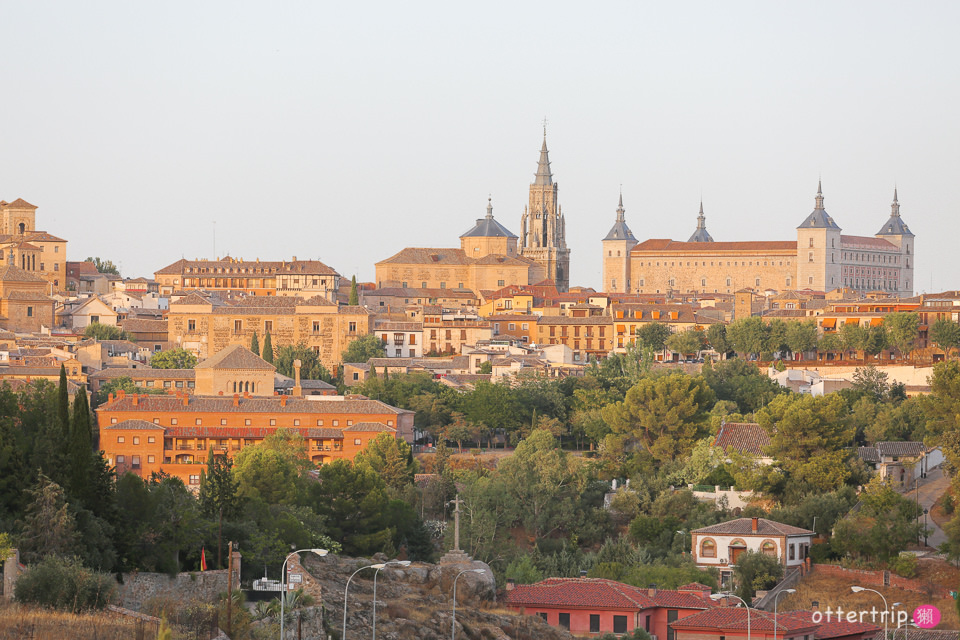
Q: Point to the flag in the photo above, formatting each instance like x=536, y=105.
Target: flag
x=203, y=560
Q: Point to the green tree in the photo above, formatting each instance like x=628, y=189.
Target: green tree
x=945, y=333
x=392, y=458
x=273, y=470
x=104, y=266
x=717, y=337
x=747, y=336
x=81, y=450
x=98, y=331
x=486, y=368
x=903, y=328
x=63, y=405
x=267, y=352
x=884, y=526
x=65, y=584
x=364, y=348
x=353, y=499
x=686, y=342
x=173, y=359
x=877, y=340
x=48, y=526
x=354, y=294
x=255, y=344
x=829, y=342
x=756, y=570
x=801, y=336
x=310, y=366
x=664, y=414
x=653, y=335
x=854, y=337
x=872, y=382
x=775, y=338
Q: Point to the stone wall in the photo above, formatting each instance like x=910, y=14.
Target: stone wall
x=140, y=587
x=11, y=571
x=878, y=579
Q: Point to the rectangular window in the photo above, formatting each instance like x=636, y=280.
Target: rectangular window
x=594, y=623
x=267, y=326
x=336, y=423
x=194, y=479
x=151, y=439
x=542, y=614
x=199, y=422
x=273, y=422
x=191, y=384
x=296, y=422
x=121, y=439
x=500, y=283
x=120, y=459
x=179, y=384
x=136, y=439
x=619, y=624
x=166, y=384
x=135, y=461
x=223, y=422
x=237, y=326
x=151, y=459
x=29, y=312
x=247, y=422
x=565, y=621
x=113, y=421
x=352, y=327
x=191, y=325
x=173, y=421
x=357, y=441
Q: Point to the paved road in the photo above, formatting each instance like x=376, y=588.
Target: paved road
x=930, y=491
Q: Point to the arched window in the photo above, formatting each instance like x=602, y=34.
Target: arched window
x=708, y=549
x=23, y=229
x=234, y=386
x=769, y=548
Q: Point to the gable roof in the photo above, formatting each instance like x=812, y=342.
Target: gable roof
x=601, y=593
x=900, y=449
x=236, y=356
x=742, y=437
x=11, y=273
x=723, y=618
x=20, y=203
x=744, y=527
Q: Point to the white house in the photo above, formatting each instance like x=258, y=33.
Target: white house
x=89, y=311
x=900, y=461
x=401, y=339
x=720, y=545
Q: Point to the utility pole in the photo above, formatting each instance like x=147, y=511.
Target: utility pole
x=230, y=589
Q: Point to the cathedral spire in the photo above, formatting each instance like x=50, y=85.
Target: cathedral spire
x=620, y=209
x=544, y=177
x=895, y=206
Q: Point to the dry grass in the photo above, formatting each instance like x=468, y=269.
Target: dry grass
x=29, y=623
x=834, y=591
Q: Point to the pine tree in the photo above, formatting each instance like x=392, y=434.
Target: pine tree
x=255, y=344
x=267, y=348
x=354, y=294
x=81, y=449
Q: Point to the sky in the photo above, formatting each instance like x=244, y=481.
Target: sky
x=347, y=131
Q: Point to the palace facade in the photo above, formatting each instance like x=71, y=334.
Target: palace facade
x=822, y=258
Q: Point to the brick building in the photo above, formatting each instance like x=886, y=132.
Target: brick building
x=24, y=304
x=205, y=324
x=304, y=278
x=38, y=252
x=146, y=433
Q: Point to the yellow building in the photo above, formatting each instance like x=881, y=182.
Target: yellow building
x=820, y=259
x=304, y=278
x=206, y=325
x=487, y=259
x=24, y=304
x=37, y=252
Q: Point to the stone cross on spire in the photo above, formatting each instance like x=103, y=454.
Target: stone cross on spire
x=819, y=199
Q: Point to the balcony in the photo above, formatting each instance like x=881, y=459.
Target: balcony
x=184, y=447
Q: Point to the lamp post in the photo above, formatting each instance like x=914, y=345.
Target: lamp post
x=379, y=566
x=905, y=626
x=683, y=540
x=283, y=579
x=453, y=624
x=403, y=563
x=924, y=527
x=857, y=589
x=776, y=598
x=718, y=596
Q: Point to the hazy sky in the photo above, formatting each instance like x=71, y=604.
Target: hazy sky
x=347, y=131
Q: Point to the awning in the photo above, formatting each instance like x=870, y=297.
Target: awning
x=876, y=322
x=829, y=323
x=852, y=321
x=621, y=328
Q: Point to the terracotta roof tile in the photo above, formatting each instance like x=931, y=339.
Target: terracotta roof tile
x=264, y=405
x=742, y=437
x=236, y=356
x=664, y=245
x=599, y=592
x=744, y=526
x=736, y=618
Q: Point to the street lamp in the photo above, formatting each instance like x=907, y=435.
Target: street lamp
x=775, y=599
x=379, y=566
x=283, y=579
x=924, y=527
x=402, y=563
x=683, y=540
x=453, y=624
x=719, y=596
x=856, y=589
x=905, y=626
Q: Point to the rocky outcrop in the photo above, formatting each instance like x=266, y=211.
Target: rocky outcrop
x=415, y=602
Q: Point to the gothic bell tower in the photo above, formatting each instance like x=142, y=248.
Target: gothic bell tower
x=543, y=228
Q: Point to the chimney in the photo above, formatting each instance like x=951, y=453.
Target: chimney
x=814, y=605
x=652, y=591
x=283, y=401
x=297, y=389
x=109, y=397
x=236, y=399
x=510, y=584
x=121, y=393
x=754, y=523
x=186, y=399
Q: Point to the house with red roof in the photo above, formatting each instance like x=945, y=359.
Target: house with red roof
x=736, y=623
x=746, y=438
x=592, y=606
x=718, y=546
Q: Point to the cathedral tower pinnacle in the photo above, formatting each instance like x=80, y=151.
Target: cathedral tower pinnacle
x=543, y=227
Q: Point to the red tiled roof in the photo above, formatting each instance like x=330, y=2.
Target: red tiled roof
x=735, y=618
x=666, y=245
x=265, y=405
x=744, y=526
x=743, y=437
x=867, y=243
x=244, y=432
x=600, y=593
x=832, y=628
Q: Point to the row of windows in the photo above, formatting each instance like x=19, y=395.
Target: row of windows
x=708, y=548
x=135, y=462
x=736, y=263
x=167, y=384
x=247, y=422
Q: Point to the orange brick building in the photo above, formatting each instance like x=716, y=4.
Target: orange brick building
x=144, y=434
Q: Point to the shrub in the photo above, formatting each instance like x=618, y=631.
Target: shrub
x=64, y=583
x=905, y=565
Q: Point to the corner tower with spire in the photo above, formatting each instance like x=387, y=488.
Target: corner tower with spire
x=819, y=254
x=701, y=234
x=616, y=254
x=543, y=230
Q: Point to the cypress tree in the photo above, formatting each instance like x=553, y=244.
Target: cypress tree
x=354, y=294
x=255, y=344
x=267, y=348
x=81, y=448
x=63, y=406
